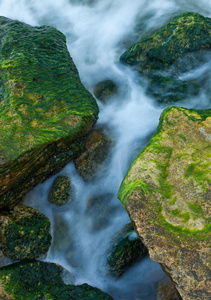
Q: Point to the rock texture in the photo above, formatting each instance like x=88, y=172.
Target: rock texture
x=24, y=233
x=167, y=193
x=44, y=109
x=40, y=280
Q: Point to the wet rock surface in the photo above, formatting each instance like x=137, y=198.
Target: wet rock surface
x=24, y=233
x=45, y=110
x=92, y=159
x=40, y=280
x=167, y=195
x=126, y=249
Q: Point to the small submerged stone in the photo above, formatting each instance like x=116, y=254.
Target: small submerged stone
x=60, y=192
x=169, y=89
x=99, y=211
x=92, y=159
x=24, y=233
x=105, y=89
x=126, y=249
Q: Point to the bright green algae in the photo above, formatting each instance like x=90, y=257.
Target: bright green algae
x=40, y=280
x=178, y=165
x=42, y=98
x=187, y=33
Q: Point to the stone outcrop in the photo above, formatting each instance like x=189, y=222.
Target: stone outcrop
x=45, y=111
x=167, y=193
x=41, y=280
x=24, y=233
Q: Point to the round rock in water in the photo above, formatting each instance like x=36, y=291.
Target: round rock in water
x=24, y=233
x=60, y=192
x=167, y=193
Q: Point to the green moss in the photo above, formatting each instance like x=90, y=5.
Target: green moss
x=126, y=189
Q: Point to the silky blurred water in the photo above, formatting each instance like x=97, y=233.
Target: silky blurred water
x=98, y=32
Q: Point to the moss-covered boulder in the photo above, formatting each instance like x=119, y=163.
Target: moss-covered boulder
x=24, y=233
x=40, y=280
x=169, y=89
x=105, y=89
x=92, y=159
x=177, y=47
x=60, y=192
x=45, y=111
x=126, y=249
x=167, y=193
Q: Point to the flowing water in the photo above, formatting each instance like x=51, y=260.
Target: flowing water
x=98, y=32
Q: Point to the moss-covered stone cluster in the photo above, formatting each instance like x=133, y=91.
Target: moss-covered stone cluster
x=24, y=233
x=44, y=108
x=40, y=280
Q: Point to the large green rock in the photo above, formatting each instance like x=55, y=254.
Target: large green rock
x=44, y=109
x=24, y=233
x=181, y=42
x=167, y=193
x=40, y=280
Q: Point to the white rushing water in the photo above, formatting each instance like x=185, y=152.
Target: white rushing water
x=98, y=32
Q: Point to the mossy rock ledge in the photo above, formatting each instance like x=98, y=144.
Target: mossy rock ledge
x=45, y=111
x=33, y=280
x=167, y=194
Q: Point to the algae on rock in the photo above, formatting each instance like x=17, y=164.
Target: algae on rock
x=181, y=41
x=167, y=193
x=33, y=280
x=44, y=109
x=24, y=233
